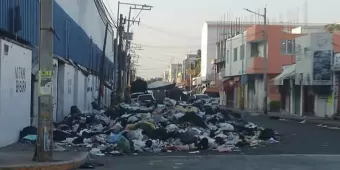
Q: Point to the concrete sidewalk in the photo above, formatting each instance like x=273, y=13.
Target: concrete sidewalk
x=307, y=119
x=279, y=115
x=19, y=156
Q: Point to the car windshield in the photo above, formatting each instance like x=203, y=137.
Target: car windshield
x=134, y=96
x=145, y=97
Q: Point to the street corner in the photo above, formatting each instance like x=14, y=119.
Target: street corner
x=75, y=160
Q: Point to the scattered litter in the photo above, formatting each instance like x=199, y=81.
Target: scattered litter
x=172, y=126
x=304, y=121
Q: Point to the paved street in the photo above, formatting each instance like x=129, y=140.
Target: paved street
x=297, y=138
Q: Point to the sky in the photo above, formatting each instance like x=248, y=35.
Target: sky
x=172, y=28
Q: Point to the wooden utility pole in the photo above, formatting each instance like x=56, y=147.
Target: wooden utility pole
x=119, y=55
x=101, y=71
x=44, y=145
x=265, y=69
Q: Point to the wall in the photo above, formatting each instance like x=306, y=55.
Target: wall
x=29, y=11
x=276, y=59
x=65, y=90
x=78, y=39
x=204, y=51
x=308, y=64
x=85, y=14
x=233, y=68
x=15, y=91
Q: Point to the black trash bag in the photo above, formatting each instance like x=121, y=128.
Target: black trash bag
x=59, y=135
x=266, y=134
x=74, y=111
x=203, y=144
x=193, y=118
x=29, y=130
x=147, y=129
x=187, y=139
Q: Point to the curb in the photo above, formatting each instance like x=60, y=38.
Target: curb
x=59, y=165
x=310, y=121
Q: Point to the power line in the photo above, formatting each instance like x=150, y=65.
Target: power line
x=162, y=30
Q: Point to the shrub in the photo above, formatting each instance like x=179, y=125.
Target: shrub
x=274, y=106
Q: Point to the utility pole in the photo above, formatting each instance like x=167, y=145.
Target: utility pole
x=128, y=38
x=119, y=54
x=265, y=74
x=101, y=71
x=44, y=145
x=265, y=58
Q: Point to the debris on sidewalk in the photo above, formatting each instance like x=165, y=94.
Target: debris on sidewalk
x=170, y=126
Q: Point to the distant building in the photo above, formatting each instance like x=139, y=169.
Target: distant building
x=166, y=76
x=212, y=32
x=189, y=61
x=173, y=72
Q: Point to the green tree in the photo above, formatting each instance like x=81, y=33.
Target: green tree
x=198, y=63
x=332, y=28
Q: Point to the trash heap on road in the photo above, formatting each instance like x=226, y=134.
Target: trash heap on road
x=167, y=127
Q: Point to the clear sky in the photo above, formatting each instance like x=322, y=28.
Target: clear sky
x=173, y=27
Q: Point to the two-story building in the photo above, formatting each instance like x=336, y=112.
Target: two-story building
x=244, y=64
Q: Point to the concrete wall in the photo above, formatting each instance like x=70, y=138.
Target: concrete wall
x=233, y=68
x=306, y=59
x=15, y=90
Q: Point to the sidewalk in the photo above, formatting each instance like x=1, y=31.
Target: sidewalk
x=308, y=119
x=19, y=157
x=278, y=115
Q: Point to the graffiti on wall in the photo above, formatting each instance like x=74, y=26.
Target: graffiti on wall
x=322, y=65
x=20, y=80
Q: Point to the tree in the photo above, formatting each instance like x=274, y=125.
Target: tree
x=198, y=63
x=154, y=80
x=332, y=28
x=139, y=85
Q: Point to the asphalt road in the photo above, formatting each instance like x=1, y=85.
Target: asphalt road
x=302, y=146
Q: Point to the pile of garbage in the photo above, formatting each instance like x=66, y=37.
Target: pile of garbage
x=167, y=127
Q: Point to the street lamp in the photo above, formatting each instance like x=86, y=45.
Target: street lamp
x=265, y=72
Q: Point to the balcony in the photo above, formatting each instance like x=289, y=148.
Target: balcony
x=255, y=33
x=255, y=65
x=221, y=74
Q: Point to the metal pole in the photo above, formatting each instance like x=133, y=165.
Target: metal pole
x=125, y=58
x=101, y=71
x=265, y=73
x=44, y=145
x=117, y=60
x=242, y=74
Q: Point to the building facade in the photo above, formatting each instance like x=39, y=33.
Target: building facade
x=174, y=71
x=79, y=27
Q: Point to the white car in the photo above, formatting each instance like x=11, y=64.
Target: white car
x=134, y=96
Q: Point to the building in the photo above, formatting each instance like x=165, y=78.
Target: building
x=188, y=64
x=244, y=64
x=77, y=50
x=166, y=76
x=174, y=71
x=310, y=87
x=213, y=32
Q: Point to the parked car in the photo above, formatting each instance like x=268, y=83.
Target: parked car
x=199, y=97
x=134, y=96
x=146, y=99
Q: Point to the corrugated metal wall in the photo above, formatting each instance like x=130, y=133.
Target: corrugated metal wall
x=29, y=12
x=73, y=42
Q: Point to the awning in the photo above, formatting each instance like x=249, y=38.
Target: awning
x=287, y=73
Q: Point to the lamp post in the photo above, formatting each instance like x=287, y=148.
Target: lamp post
x=265, y=72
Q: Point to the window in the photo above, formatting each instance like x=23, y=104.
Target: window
x=287, y=47
x=228, y=56
x=235, y=54
x=242, y=52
